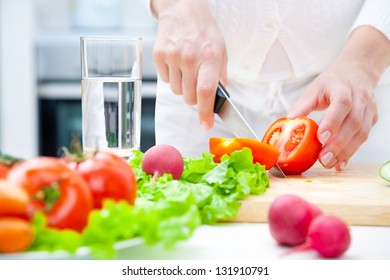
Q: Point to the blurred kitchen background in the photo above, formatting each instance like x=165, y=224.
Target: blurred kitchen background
x=40, y=88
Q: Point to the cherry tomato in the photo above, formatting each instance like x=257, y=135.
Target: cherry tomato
x=263, y=153
x=297, y=141
x=108, y=176
x=55, y=189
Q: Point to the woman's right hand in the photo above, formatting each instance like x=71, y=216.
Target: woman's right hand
x=190, y=53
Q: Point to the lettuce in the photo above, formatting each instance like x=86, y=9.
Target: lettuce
x=166, y=210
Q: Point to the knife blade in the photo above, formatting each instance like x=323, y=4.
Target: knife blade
x=232, y=117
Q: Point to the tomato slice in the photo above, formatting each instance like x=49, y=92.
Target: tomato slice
x=263, y=153
x=297, y=141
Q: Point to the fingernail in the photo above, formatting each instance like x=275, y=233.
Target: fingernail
x=342, y=165
x=324, y=137
x=325, y=159
x=205, y=125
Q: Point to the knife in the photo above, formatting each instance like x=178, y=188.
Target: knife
x=232, y=117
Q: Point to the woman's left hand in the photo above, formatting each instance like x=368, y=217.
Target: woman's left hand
x=346, y=90
x=348, y=95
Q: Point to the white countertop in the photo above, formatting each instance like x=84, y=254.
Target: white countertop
x=250, y=241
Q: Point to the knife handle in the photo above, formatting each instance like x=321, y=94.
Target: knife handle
x=220, y=97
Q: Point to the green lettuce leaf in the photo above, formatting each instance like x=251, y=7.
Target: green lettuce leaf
x=166, y=210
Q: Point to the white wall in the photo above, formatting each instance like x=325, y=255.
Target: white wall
x=18, y=102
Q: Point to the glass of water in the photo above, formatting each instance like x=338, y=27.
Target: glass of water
x=111, y=94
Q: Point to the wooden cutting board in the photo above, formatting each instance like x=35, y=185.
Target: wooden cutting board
x=358, y=195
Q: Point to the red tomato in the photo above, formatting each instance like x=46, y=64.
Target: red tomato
x=6, y=162
x=3, y=171
x=108, y=176
x=263, y=153
x=297, y=141
x=55, y=189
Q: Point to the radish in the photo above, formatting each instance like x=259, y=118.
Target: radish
x=289, y=219
x=328, y=235
x=162, y=159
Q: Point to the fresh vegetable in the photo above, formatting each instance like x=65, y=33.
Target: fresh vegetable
x=263, y=153
x=16, y=234
x=295, y=222
x=297, y=141
x=384, y=171
x=107, y=175
x=163, y=159
x=289, y=219
x=6, y=162
x=216, y=188
x=328, y=235
x=14, y=200
x=166, y=210
x=55, y=189
x=3, y=171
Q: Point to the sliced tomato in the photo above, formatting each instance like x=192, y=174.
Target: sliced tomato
x=55, y=189
x=297, y=141
x=263, y=153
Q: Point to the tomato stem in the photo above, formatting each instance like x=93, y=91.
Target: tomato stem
x=75, y=151
x=9, y=160
x=49, y=195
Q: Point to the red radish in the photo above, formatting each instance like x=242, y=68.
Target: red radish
x=328, y=235
x=289, y=219
x=162, y=159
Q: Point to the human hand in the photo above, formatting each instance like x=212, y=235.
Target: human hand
x=346, y=90
x=190, y=53
x=348, y=95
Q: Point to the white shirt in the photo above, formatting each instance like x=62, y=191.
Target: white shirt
x=275, y=48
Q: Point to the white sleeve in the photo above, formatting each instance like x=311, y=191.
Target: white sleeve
x=375, y=13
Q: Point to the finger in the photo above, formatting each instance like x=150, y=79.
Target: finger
x=340, y=106
x=175, y=79
x=340, y=166
x=342, y=138
x=357, y=140
x=189, y=72
x=189, y=88
x=161, y=66
x=369, y=120
x=163, y=71
x=208, y=76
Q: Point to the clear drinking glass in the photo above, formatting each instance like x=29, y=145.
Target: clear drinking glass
x=111, y=94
